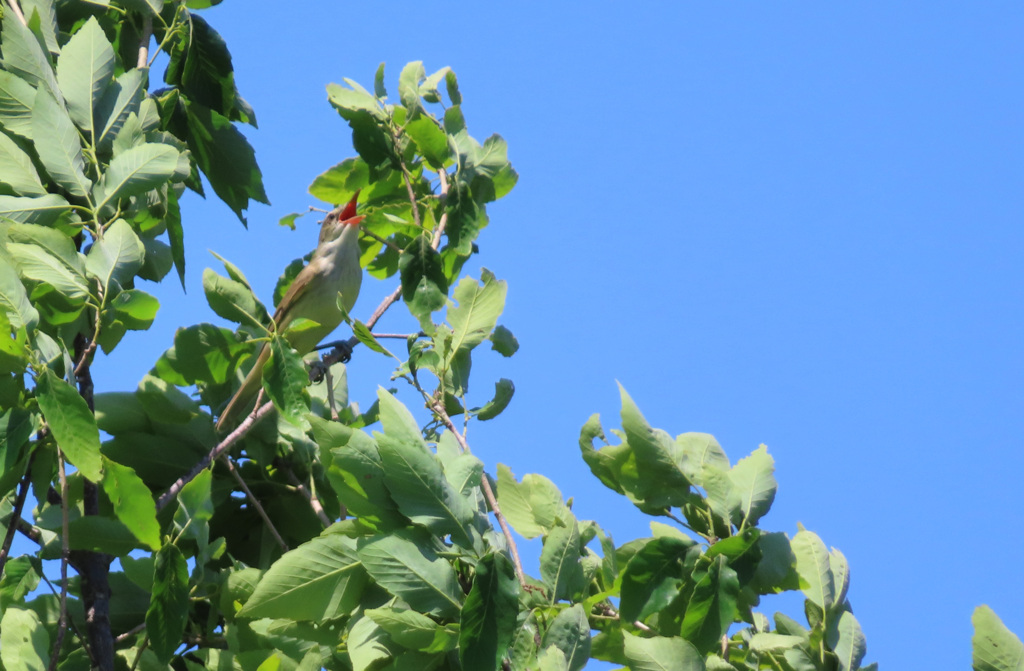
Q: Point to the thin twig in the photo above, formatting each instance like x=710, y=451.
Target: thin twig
x=19, y=505
x=17, y=11
x=65, y=553
x=383, y=241
x=128, y=634
x=71, y=623
x=212, y=455
x=147, y=34
x=255, y=502
x=314, y=502
x=492, y=500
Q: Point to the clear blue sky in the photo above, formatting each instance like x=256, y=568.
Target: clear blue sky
x=791, y=223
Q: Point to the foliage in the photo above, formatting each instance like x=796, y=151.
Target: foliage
x=304, y=541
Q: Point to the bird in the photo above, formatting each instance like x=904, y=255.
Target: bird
x=334, y=268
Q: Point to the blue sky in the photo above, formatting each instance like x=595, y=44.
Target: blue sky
x=796, y=224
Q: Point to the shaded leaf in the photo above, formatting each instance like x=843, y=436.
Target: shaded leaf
x=169, y=604
x=569, y=632
x=489, y=614
x=560, y=566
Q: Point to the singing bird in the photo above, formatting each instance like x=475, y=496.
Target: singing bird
x=313, y=295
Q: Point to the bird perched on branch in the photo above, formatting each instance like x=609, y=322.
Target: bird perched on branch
x=313, y=295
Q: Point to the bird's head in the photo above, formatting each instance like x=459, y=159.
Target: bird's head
x=340, y=219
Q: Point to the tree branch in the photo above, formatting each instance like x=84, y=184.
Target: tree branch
x=213, y=455
x=19, y=505
x=255, y=502
x=17, y=11
x=492, y=500
x=147, y=34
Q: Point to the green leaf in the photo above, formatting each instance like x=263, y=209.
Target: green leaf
x=409, y=87
x=121, y=99
x=195, y=507
x=478, y=309
x=364, y=335
x=225, y=157
x=663, y=483
x=654, y=575
x=840, y=569
x=116, y=256
x=233, y=300
x=16, y=426
x=995, y=648
x=285, y=379
x=133, y=502
x=94, y=533
x=24, y=56
x=350, y=103
x=319, y=580
x=533, y=507
x=71, y=423
x=201, y=67
x=451, y=83
x=712, y=607
x=84, y=72
x=24, y=645
x=812, y=565
x=42, y=19
x=134, y=171
x=661, y=653
x=135, y=309
x=413, y=630
x=14, y=301
x=755, y=485
x=489, y=614
x=176, y=236
x=17, y=98
x=699, y=450
x=340, y=183
x=58, y=146
x=356, y=472
x=17, y=171
x=560, y=561
x=503, y=390
x=414, y=477
x=44, y=210
x=168, y=607
x=404, y=564
x=431, y=140
x=570, y=633
x=503, y=342
x=40, y=264
x=378, y=83
x=846, y=639
x=424, y=285
x=20, y=577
